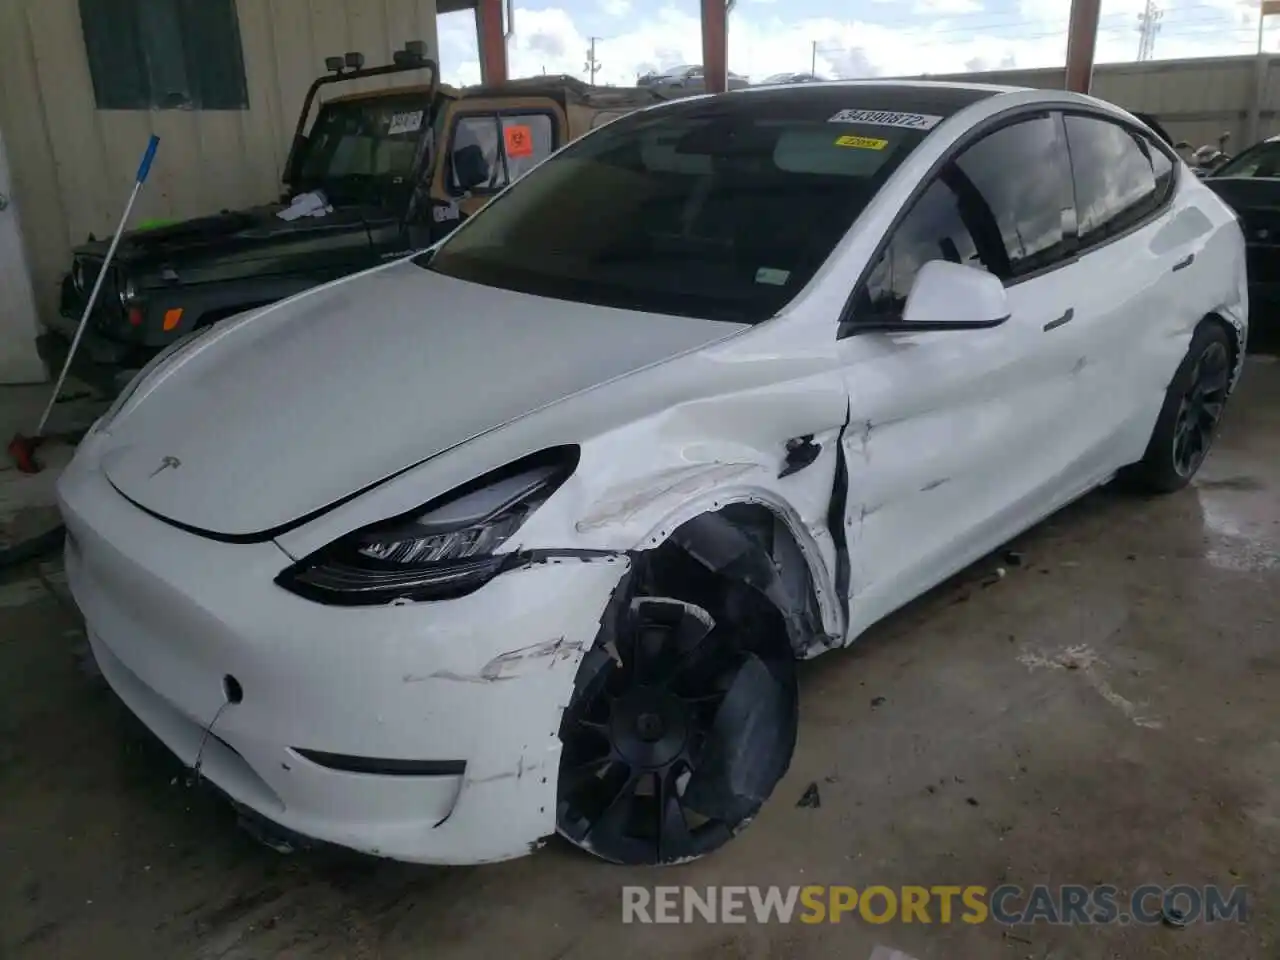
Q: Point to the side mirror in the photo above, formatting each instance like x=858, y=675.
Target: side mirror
x=470, y=168
x=951, y=296
x=944, y=296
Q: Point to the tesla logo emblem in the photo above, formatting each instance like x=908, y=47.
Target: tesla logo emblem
x=165, y=464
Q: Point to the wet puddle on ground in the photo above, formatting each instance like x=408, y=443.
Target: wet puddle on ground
x=1242, y=534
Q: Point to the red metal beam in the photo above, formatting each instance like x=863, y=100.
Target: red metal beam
x=1082, y=40
x=715, y=45
x=491, y=41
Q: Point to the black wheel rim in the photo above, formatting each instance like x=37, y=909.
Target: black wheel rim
x=651, y=767
x=1200, y=409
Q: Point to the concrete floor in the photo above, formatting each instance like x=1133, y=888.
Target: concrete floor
x=1106, y=713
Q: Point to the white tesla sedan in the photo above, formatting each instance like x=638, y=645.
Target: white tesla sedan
x=525, y=534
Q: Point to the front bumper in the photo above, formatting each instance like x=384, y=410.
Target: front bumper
x=472, y=687
x=107, y=365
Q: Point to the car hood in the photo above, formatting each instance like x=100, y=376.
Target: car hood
x=228, y=236
x=268, y=420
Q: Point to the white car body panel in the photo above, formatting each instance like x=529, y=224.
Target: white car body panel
x=952, y=442
x=359, y=683
x=286, y=373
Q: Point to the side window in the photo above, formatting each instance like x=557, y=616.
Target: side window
x=528, y=140
x=164, y=54
x=933, y=230
x=997, y=207
x=481, y=131
x=512, y=145
x=1161, y=167
x=1014, y=185
x=1115, y=183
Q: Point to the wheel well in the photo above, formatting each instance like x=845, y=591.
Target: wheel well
x=1233, y=335
x=742, y=548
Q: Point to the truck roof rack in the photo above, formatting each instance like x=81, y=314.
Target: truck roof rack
x=571, y=89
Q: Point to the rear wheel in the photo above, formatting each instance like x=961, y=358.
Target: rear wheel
x=1188, y=421
x=680, y=726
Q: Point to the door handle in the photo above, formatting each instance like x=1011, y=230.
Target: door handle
x=1065, y=318
x=1183, y=264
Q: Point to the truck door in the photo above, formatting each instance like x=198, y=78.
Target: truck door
x=488, y=143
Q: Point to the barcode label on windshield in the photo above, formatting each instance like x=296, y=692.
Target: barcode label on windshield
x=409, y=122
x=888, y=118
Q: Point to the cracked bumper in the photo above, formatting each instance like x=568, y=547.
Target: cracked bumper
x=478, y=683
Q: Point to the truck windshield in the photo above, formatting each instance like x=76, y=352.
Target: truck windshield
x=356, y=142
x=721, y=208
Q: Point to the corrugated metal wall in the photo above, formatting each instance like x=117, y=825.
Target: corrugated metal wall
x=1195, y=100
x=73, y=164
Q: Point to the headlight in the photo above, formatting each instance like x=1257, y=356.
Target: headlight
x=445, y=549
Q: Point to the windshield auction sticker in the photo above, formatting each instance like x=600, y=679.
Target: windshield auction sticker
x=888, y=118
x=862, y=143
x=409, y=122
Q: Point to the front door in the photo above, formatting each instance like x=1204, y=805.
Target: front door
x=956, y=438
x=19, y=362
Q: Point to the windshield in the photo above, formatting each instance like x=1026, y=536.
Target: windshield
x=721, y=208
x=1262, y=160
x=354, y=142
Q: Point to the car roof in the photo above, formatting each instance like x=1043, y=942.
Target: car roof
x=915, y=96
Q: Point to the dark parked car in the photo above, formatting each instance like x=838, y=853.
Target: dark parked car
x=1250, y=184
x=687, y=79
x=792, y=78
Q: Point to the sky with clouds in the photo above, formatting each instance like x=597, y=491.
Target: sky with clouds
x=854, y=38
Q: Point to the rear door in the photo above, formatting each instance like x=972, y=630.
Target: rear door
x=1135, y=307
x=960, y=439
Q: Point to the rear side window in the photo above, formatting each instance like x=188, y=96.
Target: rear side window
x=512, y=145
x=1161, y=166
x=1116, y=178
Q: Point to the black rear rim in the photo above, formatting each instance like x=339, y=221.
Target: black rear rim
x=1201, y=409
x=676, y=734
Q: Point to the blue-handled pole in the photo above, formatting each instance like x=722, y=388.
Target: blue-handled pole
x=144, y=168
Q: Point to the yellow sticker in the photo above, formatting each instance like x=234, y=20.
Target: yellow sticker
x=862, y=143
